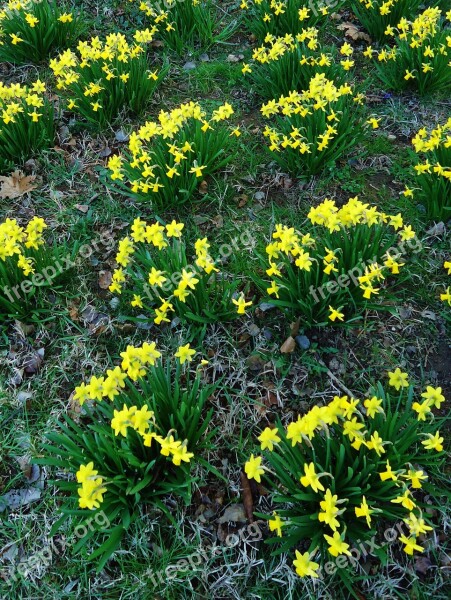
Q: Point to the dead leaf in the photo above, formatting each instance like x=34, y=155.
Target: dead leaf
x=17, y=498
x=288, y=346
x=218, y=221
x=353, y=32
x=242, y=200
x=422, y=564
x=105, y=279
x=234, y=513
x=15, y=185
x=82, y=208
x=203, y=187
x=248, y=501
x=233, y=58
x=33, y=361
x=294, y=327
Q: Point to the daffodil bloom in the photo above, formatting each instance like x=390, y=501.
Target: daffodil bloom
x=364, y=511
x=434, y=442
x=268, y=438
x=410, y=545
x=311, y=478
x=373, y=407
x=416, y=525
x=185, y=353
x=415, y=478
x=253, y=468
x=337, y=545
x=276, y=524
x=335, y=314
x=241, y=304
x=388, y=473
x=398, y=379
x=405, y=500
x=434, y=396
x=304, y=566
x=422, y=409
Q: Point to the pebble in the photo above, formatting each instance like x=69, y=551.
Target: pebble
x=303, y=342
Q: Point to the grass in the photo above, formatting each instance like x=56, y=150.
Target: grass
x=250, y=197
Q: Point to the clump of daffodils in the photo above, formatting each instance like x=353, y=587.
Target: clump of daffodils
x=313, y=128
x=104, y=77
x=335, y=269
x=279, y=17
x=419, y=55
x=187, y=23
x=344, y=468
x=26, y=121
x=32, y=30
x=289, y=62
x=16, y=241
x=156, y=273
x=28, y=264
x=167, y=159
x=145, y=422
x=433, y=171
x=446, y=295
x=380, y=16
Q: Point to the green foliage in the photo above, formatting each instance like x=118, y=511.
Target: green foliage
x=27, y=123
x=164, y=174
x=331, y=462
x=37, y=29
x=377, y=15
x=162, y=279
x=340, y=263
x=187, y=23
x=135, y=474
x=107, y=78
x=315, y=128
x=419, y=58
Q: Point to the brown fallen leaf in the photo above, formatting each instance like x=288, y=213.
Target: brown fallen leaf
x=105, y=279
x=203, y=187
x=353, y=32
x=248, y=501
x=17, y=184
x=288, y=346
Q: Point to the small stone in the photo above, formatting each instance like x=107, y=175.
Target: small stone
x=254, y=329
x=264, y=306
x=189, y=66
x=391, y=137
x=411, y=349
x=267, y=334
x=437, y=229
x=259, y=195
x=121, y=137
x=114, y=303
x=204, y=58
x=303, y=342
x=143, y=322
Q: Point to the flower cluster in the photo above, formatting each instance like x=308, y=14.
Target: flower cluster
x=446, y=296
x=379, y=16
x=314, y=127
x=164, y=282
x=420, y=55
x=433, y=170
x=351, y=253
x=185, y=23
x=31, y=30
x=279, y=17
x=92, y=487
x=26, y=120
x=139, y=445
x=168, y=158
x=288, y=63
x=345, y=466
x=15, y=240
x=104, y=77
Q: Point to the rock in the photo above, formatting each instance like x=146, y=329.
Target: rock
x=259, y=195
x=267, y=334
x=254, y=329
x=234, y=513
x=121, y=137
x=264, y=306
x=437, y=229
x=303, y=342
x=204, y=58
x=189, y=66
x=114, y=303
